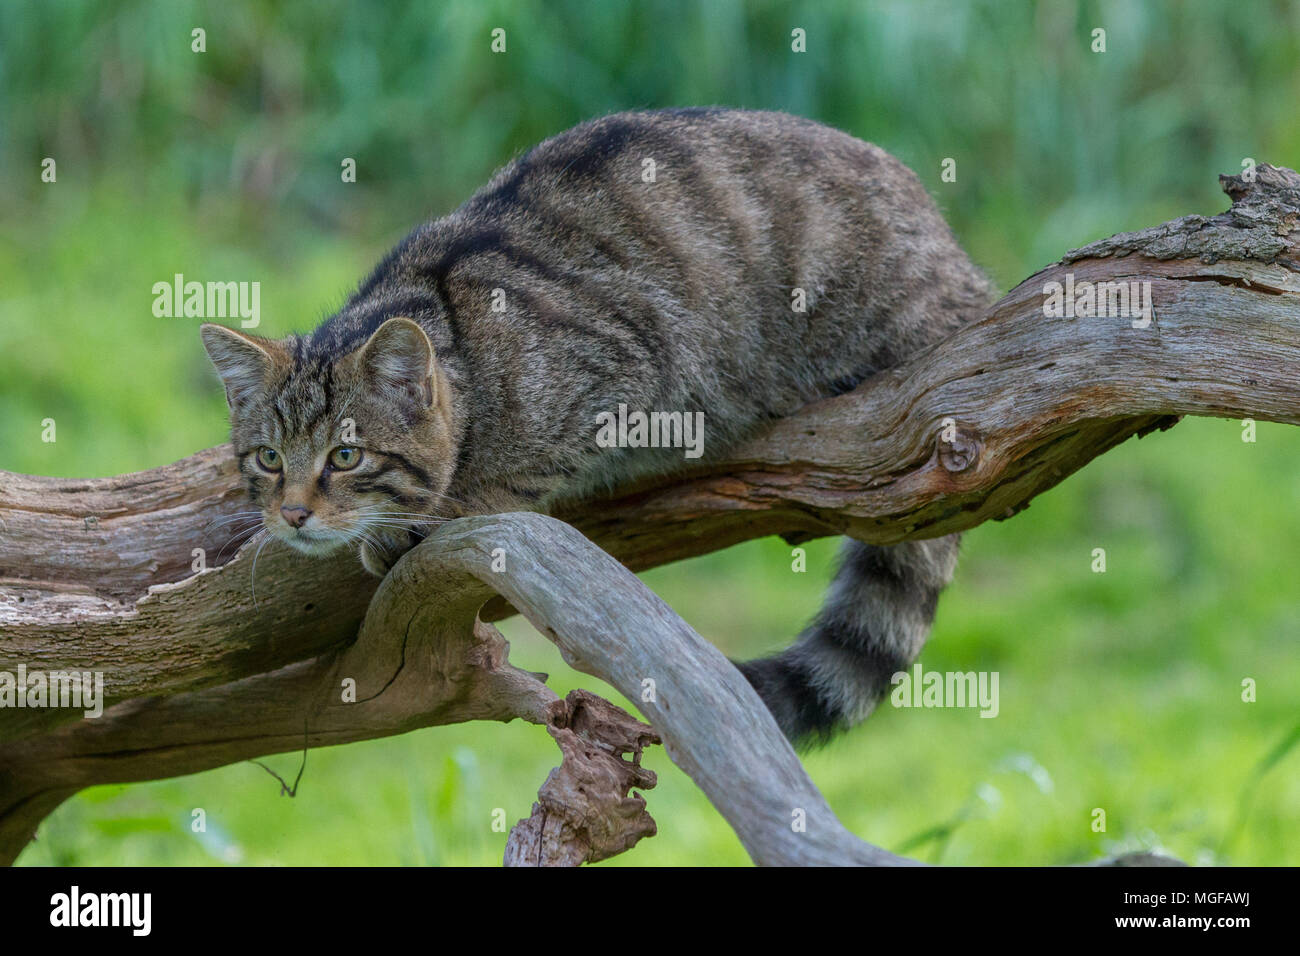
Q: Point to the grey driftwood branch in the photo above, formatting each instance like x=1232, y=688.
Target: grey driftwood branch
x=217, y=665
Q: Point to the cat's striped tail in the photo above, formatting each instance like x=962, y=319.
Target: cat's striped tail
x=876, y=618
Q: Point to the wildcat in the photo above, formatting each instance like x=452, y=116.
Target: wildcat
x=651, y=259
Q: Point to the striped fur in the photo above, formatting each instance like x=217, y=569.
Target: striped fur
x=474, y=361
x=874, y=622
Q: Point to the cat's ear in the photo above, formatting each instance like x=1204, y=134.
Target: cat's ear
x=243, y=361
x=398, y=359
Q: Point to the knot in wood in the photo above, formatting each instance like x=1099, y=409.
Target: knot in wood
x=1264, y=195
x=959, y=449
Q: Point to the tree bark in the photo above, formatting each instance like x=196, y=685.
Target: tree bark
x=209, y=667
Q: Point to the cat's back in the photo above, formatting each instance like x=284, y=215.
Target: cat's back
x=712, y=208
x=794, y=254
x=694, y=185
x=617, y=155
x=746, y=261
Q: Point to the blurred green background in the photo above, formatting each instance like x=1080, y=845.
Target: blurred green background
x=1119, y=691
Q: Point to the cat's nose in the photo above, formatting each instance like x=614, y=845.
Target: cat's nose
x=296, y=515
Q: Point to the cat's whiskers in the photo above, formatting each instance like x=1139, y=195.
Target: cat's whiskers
x=409, y=518
x=407, y=529
x=250, y=525
x=266, y=537
x=445, y=496
x=230, y=518
x=376, y=514
x=387, y=501
x=238, y=539
x=379, y=519
x=359, y=534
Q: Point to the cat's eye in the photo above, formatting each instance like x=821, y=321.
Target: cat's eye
x=345, y=457
x=268, y=458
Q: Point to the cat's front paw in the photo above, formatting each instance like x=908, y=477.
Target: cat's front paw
x=380, y=551
x=377, y=559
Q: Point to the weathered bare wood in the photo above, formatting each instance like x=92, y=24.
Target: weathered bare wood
x=417, y=662
x=586, y=810
x=96, y=575
x=607, y=623
x=423, y=658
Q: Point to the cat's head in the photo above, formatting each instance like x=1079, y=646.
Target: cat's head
x=338, y=449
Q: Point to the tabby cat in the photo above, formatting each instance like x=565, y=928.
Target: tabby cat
x=653, y=260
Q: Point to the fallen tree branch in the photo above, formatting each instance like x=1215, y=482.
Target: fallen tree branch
x=103, y=575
